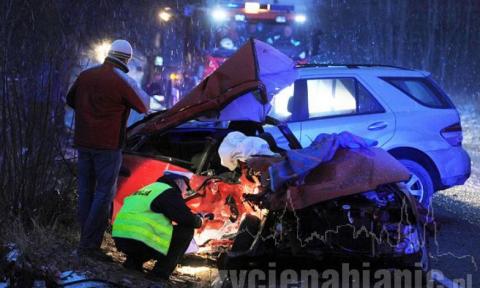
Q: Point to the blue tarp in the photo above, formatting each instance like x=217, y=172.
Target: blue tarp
x=298, y=163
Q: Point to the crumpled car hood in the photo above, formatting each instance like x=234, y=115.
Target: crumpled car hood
x=240, y=89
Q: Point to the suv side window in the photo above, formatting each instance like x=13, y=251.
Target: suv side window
x=339, y=96
x=420, y=90
x=366, y=102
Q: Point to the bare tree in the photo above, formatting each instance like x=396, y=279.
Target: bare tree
x=42, y=42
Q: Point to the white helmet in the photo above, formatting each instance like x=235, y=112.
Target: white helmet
x=121, y=49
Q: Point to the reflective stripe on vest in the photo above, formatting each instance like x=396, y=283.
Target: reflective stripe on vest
x=137, y=221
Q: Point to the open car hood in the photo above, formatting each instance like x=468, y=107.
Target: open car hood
x=240, y=89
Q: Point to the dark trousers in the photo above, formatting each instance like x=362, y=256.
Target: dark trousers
x=97, y=179
x=138, y=253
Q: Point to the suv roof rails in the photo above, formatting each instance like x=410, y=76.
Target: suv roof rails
x=348, y=65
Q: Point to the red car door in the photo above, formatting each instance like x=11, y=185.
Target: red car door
x=141, y=171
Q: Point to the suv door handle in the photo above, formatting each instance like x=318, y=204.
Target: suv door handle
x=378, y=126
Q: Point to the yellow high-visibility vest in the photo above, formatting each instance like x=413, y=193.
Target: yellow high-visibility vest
x=137, y=221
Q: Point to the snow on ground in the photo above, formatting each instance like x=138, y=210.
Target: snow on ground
x=12, y=256
x=455, y=250
x=468, y=195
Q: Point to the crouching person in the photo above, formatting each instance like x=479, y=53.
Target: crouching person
x=143, y=228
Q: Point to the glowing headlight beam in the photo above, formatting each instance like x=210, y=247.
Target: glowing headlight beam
x=219, y=15
x=300, y=18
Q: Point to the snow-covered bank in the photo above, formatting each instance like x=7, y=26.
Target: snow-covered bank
x=467, y=195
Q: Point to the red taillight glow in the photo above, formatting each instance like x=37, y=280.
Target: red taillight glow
x=453, y=134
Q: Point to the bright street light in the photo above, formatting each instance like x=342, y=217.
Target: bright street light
x=101, y=51
x=219, y=15
x=165, y=16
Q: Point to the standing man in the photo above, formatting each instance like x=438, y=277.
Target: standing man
x=102, y=97
x=143, y=228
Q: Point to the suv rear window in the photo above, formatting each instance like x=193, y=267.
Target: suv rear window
x=421, y=90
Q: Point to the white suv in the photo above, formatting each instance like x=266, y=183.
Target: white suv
x=404, y=110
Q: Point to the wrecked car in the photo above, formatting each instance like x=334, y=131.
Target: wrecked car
x=328, y=198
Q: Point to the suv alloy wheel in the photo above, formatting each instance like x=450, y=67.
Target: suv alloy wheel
x=420, y=184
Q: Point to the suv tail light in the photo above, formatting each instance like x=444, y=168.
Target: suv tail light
x=453, y=134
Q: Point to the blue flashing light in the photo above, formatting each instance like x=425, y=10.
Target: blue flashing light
x=277, y=7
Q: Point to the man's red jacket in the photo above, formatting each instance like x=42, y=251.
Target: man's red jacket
x=102, y=97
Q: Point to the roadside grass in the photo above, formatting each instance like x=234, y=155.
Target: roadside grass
x=36, y=251
x=44, y=252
